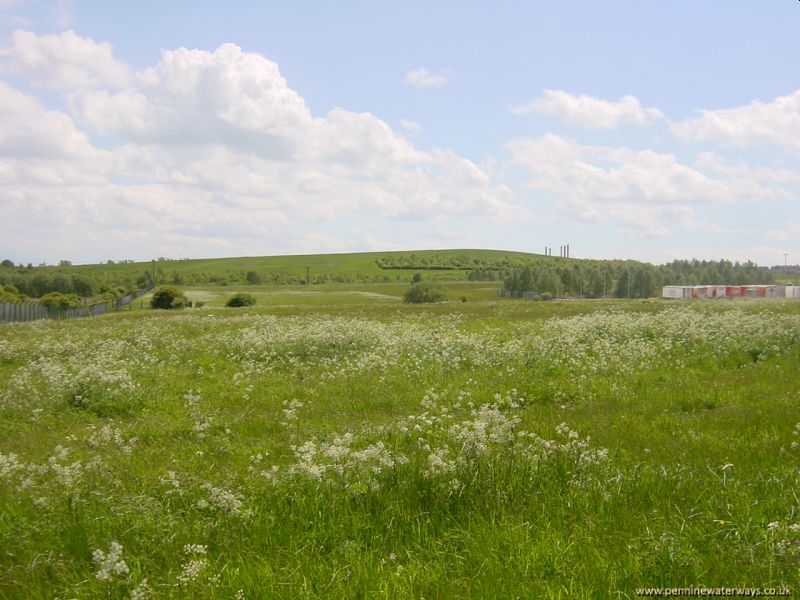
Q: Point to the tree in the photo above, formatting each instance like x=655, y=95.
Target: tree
x=83, y=286
x=60, y=283
x=416, y=278
x=7, y=263
x=253, y=278
x=622, y=289
x=240, y=299
x=168, y=297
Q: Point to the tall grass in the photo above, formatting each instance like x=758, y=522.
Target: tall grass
x=472, y=450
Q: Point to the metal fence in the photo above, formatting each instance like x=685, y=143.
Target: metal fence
x=515, y=294
x=125, y=300
x=30, y=311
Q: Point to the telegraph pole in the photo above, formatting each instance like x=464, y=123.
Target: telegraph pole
x=786, y=266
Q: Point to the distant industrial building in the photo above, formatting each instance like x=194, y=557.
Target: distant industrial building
x=690, y=292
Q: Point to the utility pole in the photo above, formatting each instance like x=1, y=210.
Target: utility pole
x=786, y=266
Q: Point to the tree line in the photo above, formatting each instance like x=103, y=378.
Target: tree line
x=625, y=279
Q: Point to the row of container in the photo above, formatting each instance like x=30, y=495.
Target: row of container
x=730, y=291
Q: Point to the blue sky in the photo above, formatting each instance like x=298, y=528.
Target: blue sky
x=195, y=129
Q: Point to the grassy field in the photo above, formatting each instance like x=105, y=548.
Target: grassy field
x=336, y=443
x=358, y=264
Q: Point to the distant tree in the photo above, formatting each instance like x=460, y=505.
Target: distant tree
x=65, y=263
x=168, y=297
x=83, y=286
x=423, y=292
x=643, y=285
x=253, y=278
x=622, y=288
x=7, y=263
x=40, y=284
x=417, y=277
x=60, y=283
x=240, y=300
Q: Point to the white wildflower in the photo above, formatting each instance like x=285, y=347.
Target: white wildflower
x=110, y=564
x=142, y=591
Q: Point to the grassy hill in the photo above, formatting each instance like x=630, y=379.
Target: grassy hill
x=345, y=267
x=358, y=264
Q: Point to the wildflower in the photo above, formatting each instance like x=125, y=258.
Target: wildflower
x=142, y=591
x=221, y=500
x=110, y=564
x=195, y=566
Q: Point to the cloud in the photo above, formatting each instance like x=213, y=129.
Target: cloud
x=589, y=112
x=64, y=62
x=421, y=77
x=789, y=232
x=213, y=152
x=776, y=123
x=411, y=128
x=643, y=192
x=29, y=132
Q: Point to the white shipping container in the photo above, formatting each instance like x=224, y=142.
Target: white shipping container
x=675, y=292
x=792, y=291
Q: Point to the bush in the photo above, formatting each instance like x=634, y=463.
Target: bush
x=240, y=299
x=167, y=296
x=420, y=293
x=9, y=293
x=58, y=301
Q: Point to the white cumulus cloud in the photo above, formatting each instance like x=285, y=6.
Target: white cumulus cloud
x=589, y=112
x=642, y=191
x=776, y=122
x=214, y=153
x=64, y=61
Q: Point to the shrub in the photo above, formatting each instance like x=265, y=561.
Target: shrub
x=420, y=293
x=9, y=293
x=240, y=299
x=58, y=301
x=167, y=296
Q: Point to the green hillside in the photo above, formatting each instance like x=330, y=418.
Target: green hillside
x=362, y=267
x=348, y=264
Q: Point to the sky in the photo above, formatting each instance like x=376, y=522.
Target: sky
x=192, y=129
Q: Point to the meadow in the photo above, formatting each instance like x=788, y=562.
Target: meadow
x=336, y=443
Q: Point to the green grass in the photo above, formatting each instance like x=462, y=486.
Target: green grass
x=680, y=471
x=357, y=264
